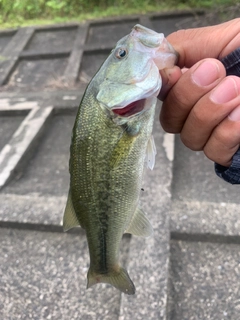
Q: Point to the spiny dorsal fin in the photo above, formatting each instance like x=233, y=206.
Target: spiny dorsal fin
x=69, y=218
x=140, y=225
x=151, y=153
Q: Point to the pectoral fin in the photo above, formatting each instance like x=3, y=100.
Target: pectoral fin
x=69, y=218
x=151, y=153
x=140, y=225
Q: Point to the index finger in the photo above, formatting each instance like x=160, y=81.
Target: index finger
x=207, y=42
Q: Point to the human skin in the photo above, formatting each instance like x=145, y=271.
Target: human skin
x=199, y=101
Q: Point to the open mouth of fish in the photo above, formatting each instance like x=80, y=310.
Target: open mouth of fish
x=131, y=109
x=149, y=87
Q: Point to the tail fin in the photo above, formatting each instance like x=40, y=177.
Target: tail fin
x=119, y=279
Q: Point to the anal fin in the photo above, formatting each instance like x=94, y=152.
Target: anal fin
x=69, y=218
x=140, y=225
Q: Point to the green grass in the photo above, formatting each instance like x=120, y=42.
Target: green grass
x=17, y=13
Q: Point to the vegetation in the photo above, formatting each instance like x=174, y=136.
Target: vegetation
x=25, y=12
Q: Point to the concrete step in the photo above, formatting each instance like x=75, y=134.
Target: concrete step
x=43, y=271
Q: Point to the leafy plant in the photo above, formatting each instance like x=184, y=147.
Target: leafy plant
x=13, y=12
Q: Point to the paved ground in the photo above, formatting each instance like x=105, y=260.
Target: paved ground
x=189, y=270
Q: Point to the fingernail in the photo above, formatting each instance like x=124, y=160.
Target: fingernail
x=206, y=73
x=235, y=114
x=226, y=91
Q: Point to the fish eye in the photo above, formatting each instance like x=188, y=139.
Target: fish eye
x=121, y=53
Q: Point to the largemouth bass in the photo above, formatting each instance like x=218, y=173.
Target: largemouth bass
x=111, y=140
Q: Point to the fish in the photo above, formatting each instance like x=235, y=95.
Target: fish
x=111, y=142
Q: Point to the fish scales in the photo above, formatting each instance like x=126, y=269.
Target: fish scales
x=107, y=156
x=103, y=188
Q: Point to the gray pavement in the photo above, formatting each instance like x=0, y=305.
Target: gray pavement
x=189, y=269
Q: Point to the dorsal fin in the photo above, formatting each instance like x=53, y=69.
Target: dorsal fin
x=140, y=225
x=69, y=218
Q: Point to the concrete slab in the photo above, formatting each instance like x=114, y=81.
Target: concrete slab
x=43, y=276
x=204, y=281
x=212, y=17
x=148, y=261
x=63, y=101
x=43, y=280
x=5, y=38
x=91, y=62
x=204, y=207
x=11, y=52
x=47, y=172
x=194, y=179
x=8, y=125
x=170, y=23
x=72, y=69
x=37, y=74
x=109, y=33
x=34, y=207
x=13, y=153
x=32, y=211
x=206, y=220
x=52, y=39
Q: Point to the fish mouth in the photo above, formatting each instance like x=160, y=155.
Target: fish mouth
x=131, y=109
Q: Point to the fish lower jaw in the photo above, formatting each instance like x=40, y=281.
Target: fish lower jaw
x=131, y=109
x=122, y=115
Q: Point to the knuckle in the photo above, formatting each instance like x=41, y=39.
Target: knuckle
x=170, y=122
x=221, y=146
x=200, y=115
x=218, y=155
x=222, y=137
x=190, y=142
x=169, y=127
x=209, y=153
x=178, y=97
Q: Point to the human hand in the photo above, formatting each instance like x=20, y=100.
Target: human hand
x=199, y=101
